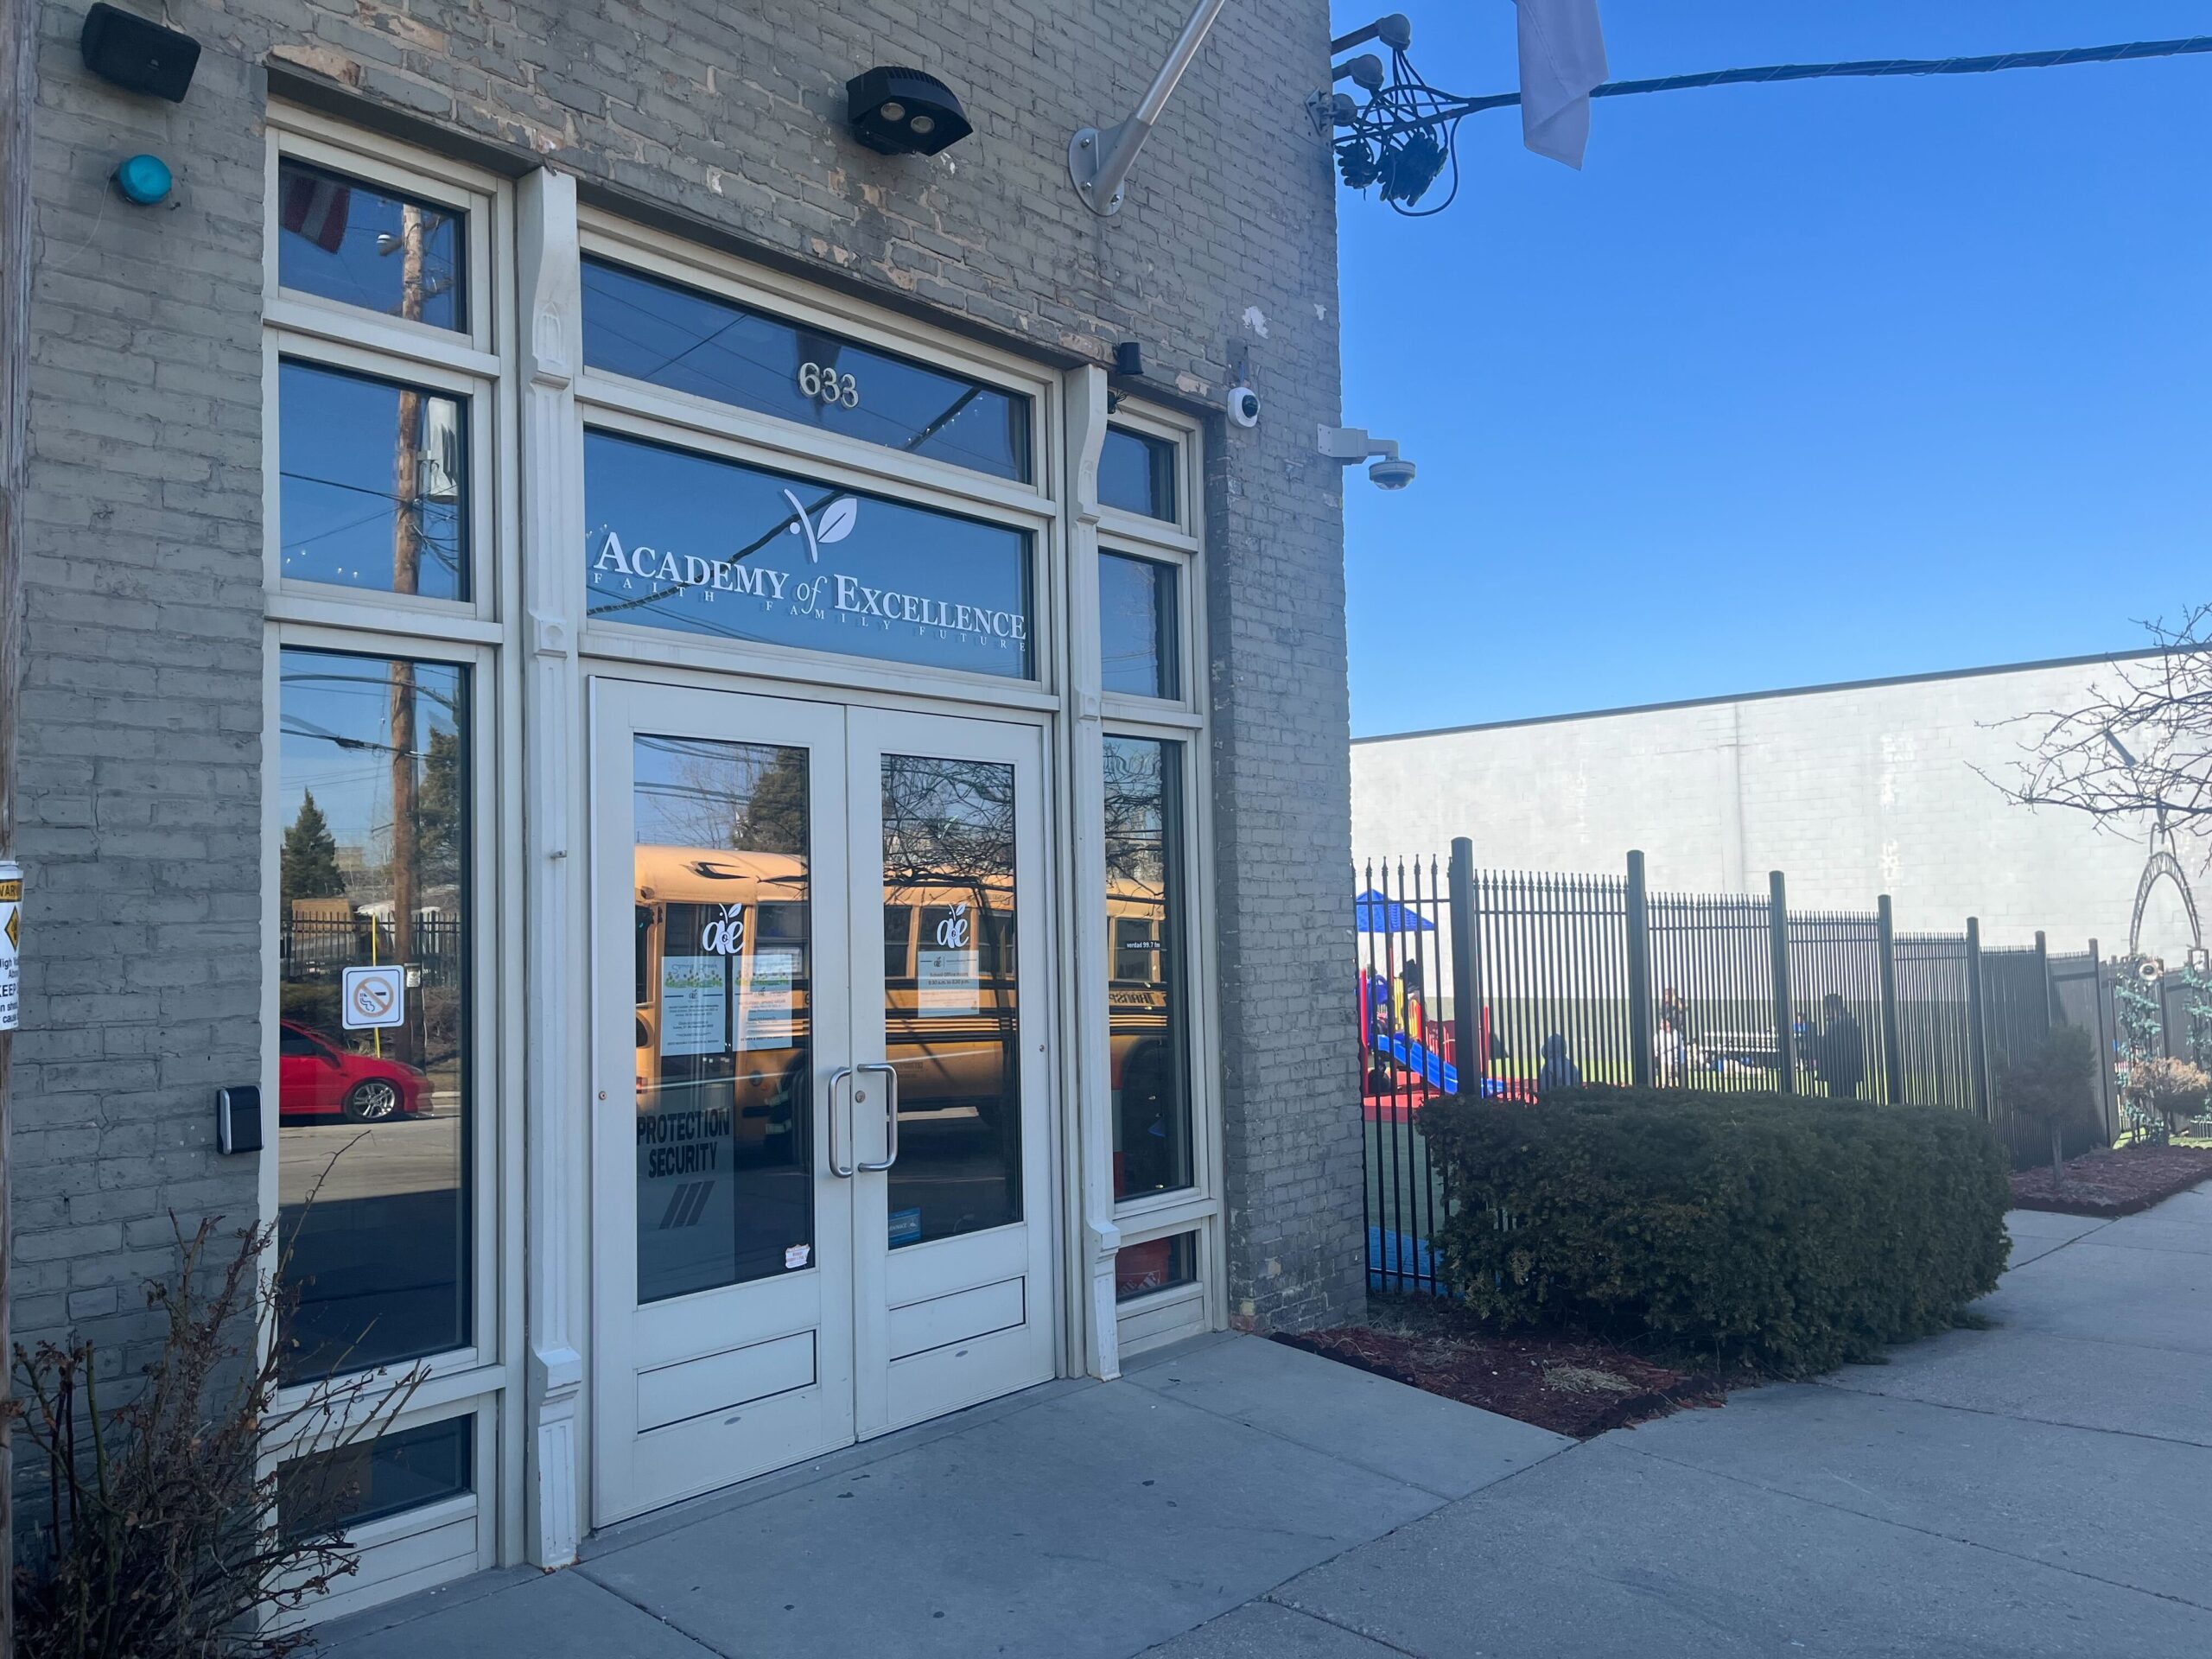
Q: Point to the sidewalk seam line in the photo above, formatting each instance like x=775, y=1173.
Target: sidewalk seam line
x=1384, y=1643
x=729, y=1500
x=1366, y=1468
x=2010, y=1417
x=661, y=1620
x=1270, y=1593
x=1924, y=1532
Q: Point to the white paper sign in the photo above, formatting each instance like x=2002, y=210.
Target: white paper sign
x=12, y=939
x=694, y=1005
x=764, y=1001
x=946, y=983
x=374, y=998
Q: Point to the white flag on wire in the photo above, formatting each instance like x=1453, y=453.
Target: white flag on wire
x=1562, y=57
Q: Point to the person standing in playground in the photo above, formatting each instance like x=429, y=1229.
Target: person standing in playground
x=1839, y=1053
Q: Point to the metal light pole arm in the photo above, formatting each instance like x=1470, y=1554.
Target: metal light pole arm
x=1099, y=163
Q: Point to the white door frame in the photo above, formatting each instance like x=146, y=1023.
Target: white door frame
x=747, y=1334
x=893, y=1337
x=943, y=1340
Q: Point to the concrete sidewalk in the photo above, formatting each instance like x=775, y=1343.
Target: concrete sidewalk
x=2042, y=1488
x=1077, y=1519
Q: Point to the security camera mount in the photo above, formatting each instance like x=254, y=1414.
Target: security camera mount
x=1349, y=445
x=1099, y=162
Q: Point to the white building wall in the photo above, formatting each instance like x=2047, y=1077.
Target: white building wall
x=1851, y=791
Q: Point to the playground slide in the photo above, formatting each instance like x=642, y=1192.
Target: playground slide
x=1444, y=1077
x=1440, y=1076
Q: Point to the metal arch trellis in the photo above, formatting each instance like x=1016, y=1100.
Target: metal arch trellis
x=2162, y=863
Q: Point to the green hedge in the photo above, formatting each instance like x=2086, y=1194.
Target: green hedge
x=1789, y=1235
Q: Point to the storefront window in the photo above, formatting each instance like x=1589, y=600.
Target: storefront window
x=1137, y=473
x=351, y=1485
x=724, y=1050
x=374, y=488
x=362, y=244
x=1136, y=626
x=374, y=1090
x=1156, y=1264
x=715, y=547
x=678, y=337
x=1147, y=995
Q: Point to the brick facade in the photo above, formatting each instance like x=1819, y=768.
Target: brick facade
x=142, y=710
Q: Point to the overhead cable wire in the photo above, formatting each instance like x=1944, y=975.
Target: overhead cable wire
x=1865, y=68
x=1409, y=130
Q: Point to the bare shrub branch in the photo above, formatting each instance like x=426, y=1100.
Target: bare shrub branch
x=162, y=1534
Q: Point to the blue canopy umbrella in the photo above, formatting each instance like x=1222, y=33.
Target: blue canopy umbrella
x=1373, y=914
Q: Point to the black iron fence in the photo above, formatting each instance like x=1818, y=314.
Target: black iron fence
x=313, y=948
x=1512, y=984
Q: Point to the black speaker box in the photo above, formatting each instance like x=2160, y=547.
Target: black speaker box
x=136, y=56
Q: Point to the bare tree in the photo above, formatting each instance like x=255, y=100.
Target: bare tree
x=2139, y=746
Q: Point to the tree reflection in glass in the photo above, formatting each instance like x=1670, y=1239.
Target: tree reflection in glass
x=952, y=1017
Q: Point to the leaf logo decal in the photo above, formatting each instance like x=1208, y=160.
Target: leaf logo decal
x=837, y=520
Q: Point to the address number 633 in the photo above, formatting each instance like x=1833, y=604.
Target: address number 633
x=828, y=385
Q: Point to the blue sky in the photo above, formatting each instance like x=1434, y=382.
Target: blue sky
x=1791, y=384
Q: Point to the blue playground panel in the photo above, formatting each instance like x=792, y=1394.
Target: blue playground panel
x=1390, y=1254
x=1440, y=1077
x=1418, y=1056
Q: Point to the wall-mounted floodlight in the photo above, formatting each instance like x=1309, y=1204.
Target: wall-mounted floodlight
x=903, y=112
x=1099, y=162
x=1348, y=445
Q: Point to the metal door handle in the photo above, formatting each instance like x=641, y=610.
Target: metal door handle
x=845, y=1171
x=890, y=1116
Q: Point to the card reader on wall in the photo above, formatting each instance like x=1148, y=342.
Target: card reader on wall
x=237, y=1118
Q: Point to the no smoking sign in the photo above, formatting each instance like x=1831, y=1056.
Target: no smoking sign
x=374, y=998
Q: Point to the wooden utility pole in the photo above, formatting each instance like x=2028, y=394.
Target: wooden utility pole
x=406, y=578
x=18, y=88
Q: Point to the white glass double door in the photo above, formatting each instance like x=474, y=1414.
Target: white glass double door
x=821, y=1033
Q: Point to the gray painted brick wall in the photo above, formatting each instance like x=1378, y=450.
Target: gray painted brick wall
x=142, y=706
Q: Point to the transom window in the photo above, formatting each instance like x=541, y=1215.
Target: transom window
x=1136, y=473
x=360, y=243
x=684, y=340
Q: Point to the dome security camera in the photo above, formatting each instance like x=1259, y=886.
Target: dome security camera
x=1347, y=444
x=1244, y=406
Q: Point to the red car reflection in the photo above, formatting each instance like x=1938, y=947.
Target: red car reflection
x=317, y=1078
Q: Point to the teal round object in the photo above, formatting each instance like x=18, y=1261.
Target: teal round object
x=145, y=180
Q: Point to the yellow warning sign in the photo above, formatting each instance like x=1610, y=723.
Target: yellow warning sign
x=11, y=940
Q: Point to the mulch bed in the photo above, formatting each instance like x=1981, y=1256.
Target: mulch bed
x=2113, y=1183
x=1574, y=1385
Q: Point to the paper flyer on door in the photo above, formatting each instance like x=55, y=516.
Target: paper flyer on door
x=765, y=999
x=946, y=982
x=694, y=1005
